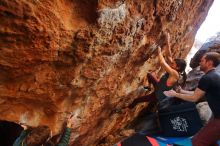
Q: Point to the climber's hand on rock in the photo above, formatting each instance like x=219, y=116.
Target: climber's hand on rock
x=70, y=121
x=167, y=37
x=23, y=125
x=159, y=50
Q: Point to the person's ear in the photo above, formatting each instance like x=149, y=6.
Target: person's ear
x=177, y=67
x=210, y=63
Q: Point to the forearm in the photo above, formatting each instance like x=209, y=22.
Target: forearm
x=167, y=49
x=187, y=97
x=161, y=58
x=186, y=92
x=65, y=137
x=167, y=54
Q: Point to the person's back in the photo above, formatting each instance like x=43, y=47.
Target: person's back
x=163, y=100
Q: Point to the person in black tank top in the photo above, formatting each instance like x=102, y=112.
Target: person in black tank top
x=209, y=86
x=174, y=69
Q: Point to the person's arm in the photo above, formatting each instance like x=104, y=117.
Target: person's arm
x=65, y=137
x=23, y=134
x=187, y=92
x=24, y=126
x=188, y=97
x=66, y=134
x=165, y=66
x=167, y=48
x=180, y=90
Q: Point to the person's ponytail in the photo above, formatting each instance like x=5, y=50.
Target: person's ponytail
x=184, y=76
x=181, y=64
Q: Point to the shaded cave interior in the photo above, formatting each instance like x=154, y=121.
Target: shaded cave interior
x=9, y=131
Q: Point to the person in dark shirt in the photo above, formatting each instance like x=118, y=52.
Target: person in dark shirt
x=209, y=86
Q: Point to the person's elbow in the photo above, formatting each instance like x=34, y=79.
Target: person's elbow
x=194, y=98
x=161, y=60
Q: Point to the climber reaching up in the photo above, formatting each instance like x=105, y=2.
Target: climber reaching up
x=175, y=69
x=41, y=135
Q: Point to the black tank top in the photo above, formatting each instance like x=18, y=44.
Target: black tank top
x=162, y=86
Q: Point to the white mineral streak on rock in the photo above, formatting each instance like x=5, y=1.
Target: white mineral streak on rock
x=109, y=18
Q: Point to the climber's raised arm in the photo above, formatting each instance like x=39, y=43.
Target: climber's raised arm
x=166, y=47
x=165, y=66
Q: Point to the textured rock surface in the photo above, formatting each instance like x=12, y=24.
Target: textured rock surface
x=212, y=44
x=87, y=57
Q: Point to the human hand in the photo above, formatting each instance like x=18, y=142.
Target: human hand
x=70, y=121
x=167, y=37
x=23, y=125
x=159, y=50
x=178, y=89
x=170, y=93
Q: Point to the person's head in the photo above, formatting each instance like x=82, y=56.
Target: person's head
x=37, y=136
x=179, y=65
x=209, y=60
x=194, y=62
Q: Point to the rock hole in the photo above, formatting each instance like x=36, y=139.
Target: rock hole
x=87, y=9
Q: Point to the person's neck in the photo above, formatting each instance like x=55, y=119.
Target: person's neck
x=211, y=68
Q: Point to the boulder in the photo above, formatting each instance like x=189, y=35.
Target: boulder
x=86, y=58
